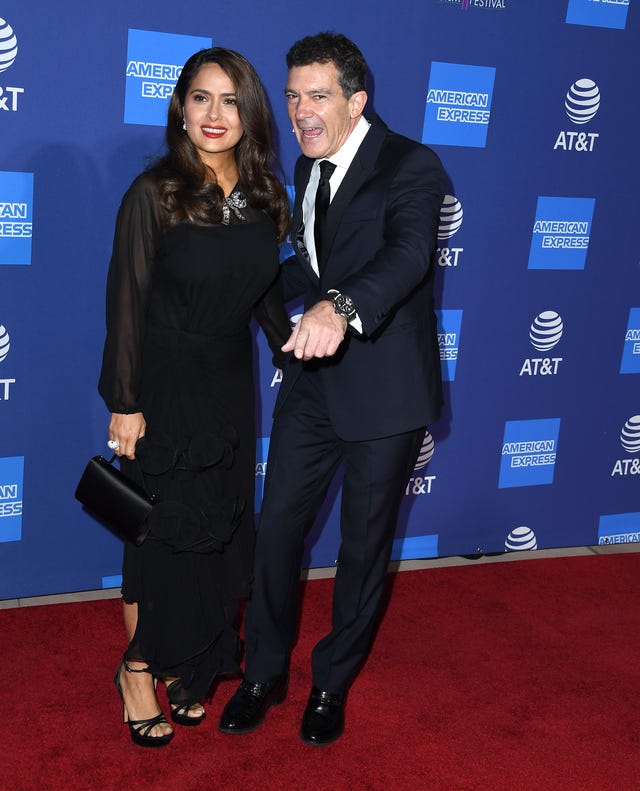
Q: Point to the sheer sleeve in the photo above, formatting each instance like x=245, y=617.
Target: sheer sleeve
x=134, y=249
x=273, y=319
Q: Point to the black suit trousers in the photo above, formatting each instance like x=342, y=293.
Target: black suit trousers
x=304, y=454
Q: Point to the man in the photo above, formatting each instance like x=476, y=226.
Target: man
x=361, y=386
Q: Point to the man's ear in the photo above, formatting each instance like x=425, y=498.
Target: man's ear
x=357, y=103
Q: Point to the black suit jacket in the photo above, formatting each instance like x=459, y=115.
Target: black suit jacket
x=379, y=250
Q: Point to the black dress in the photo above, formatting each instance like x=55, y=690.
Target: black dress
x=179, y=350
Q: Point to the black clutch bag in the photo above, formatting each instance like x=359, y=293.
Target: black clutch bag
x=116, y=500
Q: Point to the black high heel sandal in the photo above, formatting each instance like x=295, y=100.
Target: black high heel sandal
x=180, y=714
x=140, y=729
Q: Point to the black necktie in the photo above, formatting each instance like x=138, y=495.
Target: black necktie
x=323, y=195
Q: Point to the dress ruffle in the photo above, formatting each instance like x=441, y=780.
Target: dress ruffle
x=204, y=525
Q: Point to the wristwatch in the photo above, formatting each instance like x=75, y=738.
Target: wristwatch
x=343, y=305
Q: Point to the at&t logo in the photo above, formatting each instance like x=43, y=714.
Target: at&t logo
x=630, y=441
x=277, y=374
x=520, y=538
x=421, y=484
x=262, y=451
x=450, y=221
x=5, y=345
x=544, y=334
x=581, y=105
x=8, y=52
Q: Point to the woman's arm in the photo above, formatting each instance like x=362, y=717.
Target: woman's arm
x=128, y=283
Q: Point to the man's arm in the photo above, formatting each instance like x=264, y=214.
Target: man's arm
x=411, y=217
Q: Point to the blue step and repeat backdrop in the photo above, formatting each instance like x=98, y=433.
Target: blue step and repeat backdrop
x=532, y=108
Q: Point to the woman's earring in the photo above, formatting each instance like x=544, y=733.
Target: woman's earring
x=184, y=124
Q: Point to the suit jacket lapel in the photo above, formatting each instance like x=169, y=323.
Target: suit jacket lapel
x=358, y=172
x=301, y=179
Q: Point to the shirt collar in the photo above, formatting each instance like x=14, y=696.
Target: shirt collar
x=347, y=151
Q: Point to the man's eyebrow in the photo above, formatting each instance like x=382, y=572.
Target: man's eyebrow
x=309, y=91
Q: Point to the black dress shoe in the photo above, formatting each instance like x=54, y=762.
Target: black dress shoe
x=323, y=719
x=248, y=707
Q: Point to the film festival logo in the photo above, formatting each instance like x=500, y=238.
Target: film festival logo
x=16, y=217
x=483, y=5
x=449, y=324
x=458, y=107
x=451, y=215
x=422, y=484
x=9, y=96
x=5, y=345
x=11, y=479
x=154, y=63
x=630, y=363
x=561, y=232
x=598, y=13
x=630, y=441
x=544, y=334
x=581, y=105
x=529, y=450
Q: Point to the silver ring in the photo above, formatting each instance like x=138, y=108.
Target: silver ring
x=113, y=444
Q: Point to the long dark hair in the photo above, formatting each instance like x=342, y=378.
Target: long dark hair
x=187, y=191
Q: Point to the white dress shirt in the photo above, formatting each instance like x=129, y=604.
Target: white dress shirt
x=342, y=159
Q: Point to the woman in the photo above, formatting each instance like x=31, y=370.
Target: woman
x=195, y=253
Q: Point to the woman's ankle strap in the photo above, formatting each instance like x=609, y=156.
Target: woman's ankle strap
x=134, y=669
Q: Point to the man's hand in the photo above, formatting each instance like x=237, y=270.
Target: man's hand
x=127, y=430
x=319, y=332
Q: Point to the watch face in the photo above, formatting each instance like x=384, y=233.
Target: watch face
x=344, y=305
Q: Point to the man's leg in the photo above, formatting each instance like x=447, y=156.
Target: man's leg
x=375, y=479
x=303, y=455
x=376, y=474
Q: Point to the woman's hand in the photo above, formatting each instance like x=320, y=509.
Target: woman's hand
x=127, y=430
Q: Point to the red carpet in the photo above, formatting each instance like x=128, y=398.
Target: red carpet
x=520, y=675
